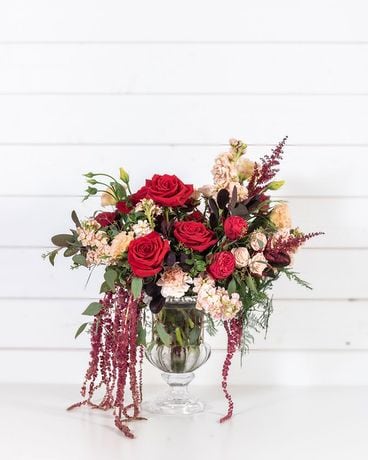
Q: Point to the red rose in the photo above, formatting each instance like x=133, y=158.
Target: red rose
x=106, y=218
x=197, y=216
x=235, y=227
x=222, y=265
x=123, y=207
x=194, y=235
x=146, y=254
x=168, y=190
x=139, y=195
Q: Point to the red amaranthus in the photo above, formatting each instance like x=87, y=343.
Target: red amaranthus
x=113, y=355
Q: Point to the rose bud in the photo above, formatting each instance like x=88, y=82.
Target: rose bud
x=235, y=227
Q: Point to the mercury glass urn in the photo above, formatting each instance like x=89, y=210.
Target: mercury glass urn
x=177, y=348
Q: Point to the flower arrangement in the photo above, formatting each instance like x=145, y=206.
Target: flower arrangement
x=225, y=243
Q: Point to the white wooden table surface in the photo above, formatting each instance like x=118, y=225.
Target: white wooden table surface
x=289, y=423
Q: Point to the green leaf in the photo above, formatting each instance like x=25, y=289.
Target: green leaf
x=78, y=259
x=62, y=240
x=231, y=288
x=137, y=284
x=75, y=219
x=80, y=329
x=194, y=335
x=104, y=287
x=164, y=336
x=275, y=185
x=52, y=256
x=110, y=277
x=178, y=336
x=70, y=251
x=93, y=309
x=251, y=283
x=141, y=335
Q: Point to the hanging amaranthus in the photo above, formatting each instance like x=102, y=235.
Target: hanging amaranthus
x=114, y=359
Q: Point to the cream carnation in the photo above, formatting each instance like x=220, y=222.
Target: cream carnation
x=258, y=240
x=174, y=282
x=241, y=257
x=257, y=264
x=280, y=216
x=120, y=244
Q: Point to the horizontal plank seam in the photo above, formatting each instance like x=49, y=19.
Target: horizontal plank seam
x=183, y=42
x=181, y=93
x=172, y=144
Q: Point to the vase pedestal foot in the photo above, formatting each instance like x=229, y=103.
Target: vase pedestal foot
x=176, y=400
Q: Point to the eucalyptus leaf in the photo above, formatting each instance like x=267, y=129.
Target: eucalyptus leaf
x=136, y=286
x=78, y=259
x=75, y=219
x=80, y=329
x=93, y=309
x=110, y=277
x=62, y=240
x=52, y=256
x=166, y=338
x=104, y=287
x=70, y=251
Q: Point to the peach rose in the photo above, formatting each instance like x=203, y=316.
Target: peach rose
x=258, y=263
x=241, y=257
x=258, y=240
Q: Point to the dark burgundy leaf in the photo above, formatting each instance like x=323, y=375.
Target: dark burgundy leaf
x=240, y=210
x=152, y=289
x=213, y=206
x=234, y=198
x=171, y=258
x=213, y=221
x=157, y=303
x=223, y=197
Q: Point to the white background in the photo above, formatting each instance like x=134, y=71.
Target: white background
x=160, y=86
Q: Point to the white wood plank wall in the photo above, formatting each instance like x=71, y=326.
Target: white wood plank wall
x=160, y=87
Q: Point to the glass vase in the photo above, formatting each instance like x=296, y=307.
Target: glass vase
x=177, y=348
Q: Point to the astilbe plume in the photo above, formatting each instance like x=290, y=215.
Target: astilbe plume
x=114, y=358
x=267, y=170
x=292, y=242
x=234, y=332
